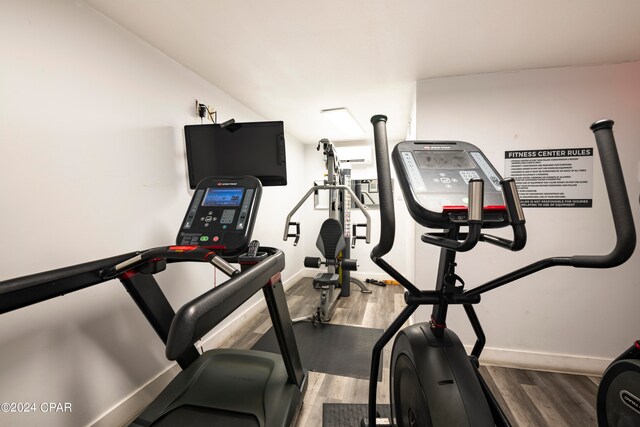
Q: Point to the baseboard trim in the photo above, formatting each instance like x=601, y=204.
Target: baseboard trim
x=548, y=362
x=129, y=408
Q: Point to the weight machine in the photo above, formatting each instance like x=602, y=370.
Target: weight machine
x=333, y=245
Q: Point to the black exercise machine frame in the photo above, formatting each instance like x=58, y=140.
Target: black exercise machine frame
x=447, y=293
x=180, y=330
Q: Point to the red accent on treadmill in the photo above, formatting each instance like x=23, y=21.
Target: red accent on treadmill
x=216, y=247
x=127, y=274
x=274, y=279
x=637, y=344
x=182, y=248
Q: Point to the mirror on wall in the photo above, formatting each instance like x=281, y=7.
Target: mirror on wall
x=320, y=197
x=367, y=191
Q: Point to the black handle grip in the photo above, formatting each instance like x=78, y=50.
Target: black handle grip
x=296, y=234
x=387, y=214
x=354, y=234
x=199, y=316
x=173, y=253
x=476, y=202
x=516, y=219
x=618, y=200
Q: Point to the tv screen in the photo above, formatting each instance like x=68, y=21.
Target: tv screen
x=251, y=148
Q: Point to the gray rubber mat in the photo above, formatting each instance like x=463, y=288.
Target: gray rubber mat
x=331, y=349
x=348, y=414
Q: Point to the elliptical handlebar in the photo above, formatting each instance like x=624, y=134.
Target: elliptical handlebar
x=387, y=214
x=476, y=202
x=618, y=200
x=516, y=219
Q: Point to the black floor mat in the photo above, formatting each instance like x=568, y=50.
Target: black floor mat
x=331, y=349
x=348, y=414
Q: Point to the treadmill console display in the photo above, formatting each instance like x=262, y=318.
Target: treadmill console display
x=221, y=214
x=223, y=197
x=434, y=178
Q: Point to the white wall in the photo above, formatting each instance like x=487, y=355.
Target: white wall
x=92, y=166
x=562, y=318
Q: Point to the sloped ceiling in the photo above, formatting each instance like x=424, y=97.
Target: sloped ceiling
x=289, y=59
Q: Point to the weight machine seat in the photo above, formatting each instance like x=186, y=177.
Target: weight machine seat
x=326, y=279
x=330, y=243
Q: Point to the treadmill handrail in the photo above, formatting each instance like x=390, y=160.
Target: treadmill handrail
x=23, y=291
x=174, y=253
x=197, y=317
x=34, y=288
x=313, y=189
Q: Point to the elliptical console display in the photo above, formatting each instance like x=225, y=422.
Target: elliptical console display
x=434, y=177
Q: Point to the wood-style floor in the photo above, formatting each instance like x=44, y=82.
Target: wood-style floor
x=529, y=398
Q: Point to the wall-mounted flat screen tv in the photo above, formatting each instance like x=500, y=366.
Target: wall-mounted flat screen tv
x=250, y=148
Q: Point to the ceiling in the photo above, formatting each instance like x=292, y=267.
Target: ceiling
x=289, y=59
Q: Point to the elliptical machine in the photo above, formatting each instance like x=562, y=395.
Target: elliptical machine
x=433, y=381
x=619, y=390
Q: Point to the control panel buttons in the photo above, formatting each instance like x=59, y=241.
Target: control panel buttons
x=413, y=172
x=204, y=238
x=227, y=216
x=469, y=175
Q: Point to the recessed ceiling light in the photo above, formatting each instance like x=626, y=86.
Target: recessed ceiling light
x=347, y=129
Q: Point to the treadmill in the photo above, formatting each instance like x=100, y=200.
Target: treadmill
x=225, y=387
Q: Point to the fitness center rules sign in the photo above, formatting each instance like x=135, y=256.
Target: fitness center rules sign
x=552, y=178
